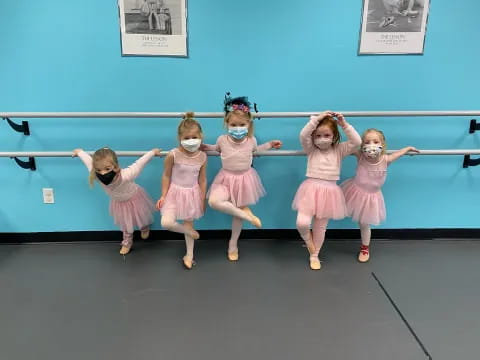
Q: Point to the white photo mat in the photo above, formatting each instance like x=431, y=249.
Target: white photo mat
x=393, y=26
x=153, y=27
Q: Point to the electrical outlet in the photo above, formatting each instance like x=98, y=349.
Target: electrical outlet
x=48, y=197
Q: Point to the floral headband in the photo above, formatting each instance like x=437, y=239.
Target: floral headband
x=239, y=103
x=241, y=107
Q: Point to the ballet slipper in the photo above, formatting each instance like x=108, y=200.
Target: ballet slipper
x=255, y=221
x=233, y=255
x=315, y=263
x=188, y=262
x=364, y=254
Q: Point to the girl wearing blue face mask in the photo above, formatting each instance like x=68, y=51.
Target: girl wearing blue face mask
x=130, y=205
x=237, y=185
x=363, y=194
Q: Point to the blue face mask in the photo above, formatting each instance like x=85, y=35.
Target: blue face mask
x=238, y=132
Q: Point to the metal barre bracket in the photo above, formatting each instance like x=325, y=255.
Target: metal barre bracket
x=467, y=161
x=473, y=126
x=24, y=128
x=30, y=164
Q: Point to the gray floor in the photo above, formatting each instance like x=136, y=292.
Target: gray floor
x=83, y=301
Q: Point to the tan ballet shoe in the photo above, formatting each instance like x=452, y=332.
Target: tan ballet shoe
x=255, y=221
x=364, y=254
x=315, y=263
x=145, y=233
x=188, y=262
x=124, y=250
x=233, y=255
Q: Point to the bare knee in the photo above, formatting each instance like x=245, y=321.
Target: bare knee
x=303, y=226
x=167, y=222
x=213, y=203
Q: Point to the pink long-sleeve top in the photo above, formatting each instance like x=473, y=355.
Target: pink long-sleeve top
x=123, y=187
x=237, y=156
x=325, y=164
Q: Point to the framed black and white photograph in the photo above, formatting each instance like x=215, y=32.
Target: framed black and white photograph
x=153, y=27
x=393, y=26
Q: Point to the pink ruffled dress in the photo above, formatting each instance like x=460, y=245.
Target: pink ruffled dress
x=319, y=195
x=237, y=181
x=130, y=205
x=363, y=195
x=184, y=197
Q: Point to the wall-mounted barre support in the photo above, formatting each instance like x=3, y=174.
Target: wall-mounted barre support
x=24, y=128
x=473, y=126
x=467, y=161
x=30, y=164
x=32, y=155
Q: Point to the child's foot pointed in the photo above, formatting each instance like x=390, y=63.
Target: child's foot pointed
x=254, y=220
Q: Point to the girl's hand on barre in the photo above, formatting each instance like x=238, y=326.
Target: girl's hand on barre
x=412, y=149
x=75, y=152
x=157, y=151
x=276, y=144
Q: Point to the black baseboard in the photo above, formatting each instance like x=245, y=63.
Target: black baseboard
x=283, y=234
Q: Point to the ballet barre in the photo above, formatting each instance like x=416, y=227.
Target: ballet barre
x=221, y=114
x=25, y=128
x=31, y=165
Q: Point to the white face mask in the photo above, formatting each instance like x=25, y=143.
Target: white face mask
x=372, y=151
x=323, y=143
x=191, y=145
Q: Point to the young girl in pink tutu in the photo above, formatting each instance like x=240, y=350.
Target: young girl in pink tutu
x=363, y=192
x=184, y=184
x=237, y=185
x=319, y=195
x=130, y=205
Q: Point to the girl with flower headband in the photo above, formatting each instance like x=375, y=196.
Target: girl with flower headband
x=130, y=205
x=363, y=194
x=319, y=196
x=237, y=185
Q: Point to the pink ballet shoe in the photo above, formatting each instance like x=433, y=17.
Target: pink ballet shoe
x=364, y=254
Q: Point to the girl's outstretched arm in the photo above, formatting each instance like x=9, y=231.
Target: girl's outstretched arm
x=136, y=168
x=87, y=159
x=398, y=154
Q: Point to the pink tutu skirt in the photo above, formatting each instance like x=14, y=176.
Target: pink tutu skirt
x=134, y=212
x=241, y=189
x=363, y=206
x=183, y=203
x=320, y=198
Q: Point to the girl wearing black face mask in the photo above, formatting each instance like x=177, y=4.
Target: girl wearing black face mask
x=130, y=205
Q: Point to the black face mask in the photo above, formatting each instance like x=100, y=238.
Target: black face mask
x=106, y=178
